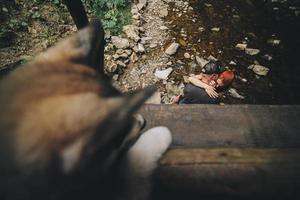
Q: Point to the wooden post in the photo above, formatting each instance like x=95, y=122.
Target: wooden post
x=77, y=12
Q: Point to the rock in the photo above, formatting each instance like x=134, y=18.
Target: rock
x=169, y=63
x=215, y=29
x=273, y=42
x=241, y=46
x=124, y=55
x=131, y=32
x=163, y=12
x=111, y=67
x=163, y=74
x=128, y=51
x=121, y=64
x=139, y=48
x=187, y=55
x=251, y=52
x=115, y=77
x=163, y=28
x=212, y=58
x=120, y=51
x=144, y=40
x=201, y=29
x=136, y=16
x=232, y=63
x=4, y=9
x=134, y=10
x=133, y=57
x=259, y=69
x=201, y=61
x=268, y=57
x=172, y=49
x=154, y=99
x=116, y=56
x=141, y=4
x=233, y=92
x=120, y=43
x=153, y=45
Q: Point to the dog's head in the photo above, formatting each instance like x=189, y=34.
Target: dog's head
x=61, y=113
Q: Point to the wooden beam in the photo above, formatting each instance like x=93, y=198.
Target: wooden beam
x=229, y=173
x=77, y=12
x=203, y=126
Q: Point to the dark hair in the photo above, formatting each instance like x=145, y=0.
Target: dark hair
x=213, y=67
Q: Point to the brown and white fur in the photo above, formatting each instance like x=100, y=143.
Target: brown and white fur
x=66, y=133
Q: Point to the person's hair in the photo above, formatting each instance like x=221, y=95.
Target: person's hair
x=227, y=77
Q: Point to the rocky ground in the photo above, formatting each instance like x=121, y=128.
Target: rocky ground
x=170, y=39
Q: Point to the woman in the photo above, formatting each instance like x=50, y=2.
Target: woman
x=204, y=88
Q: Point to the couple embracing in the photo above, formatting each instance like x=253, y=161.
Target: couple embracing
x=206, y=87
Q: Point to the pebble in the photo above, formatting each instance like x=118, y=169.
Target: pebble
x=251, y=52
x=163, y=28
x=215, y=29
x=241, y=46
x=201, y=61
x=172, y=49
x=163, y=74
x=233, y=92
x=187, y=55
x=259, y=69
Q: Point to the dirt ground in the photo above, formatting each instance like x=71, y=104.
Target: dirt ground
x=37, y=26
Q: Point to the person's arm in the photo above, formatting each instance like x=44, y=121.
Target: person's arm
x=209, y=89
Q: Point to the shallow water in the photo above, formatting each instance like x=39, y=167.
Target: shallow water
x=253, y=22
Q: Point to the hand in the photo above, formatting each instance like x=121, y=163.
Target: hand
x=211, y=92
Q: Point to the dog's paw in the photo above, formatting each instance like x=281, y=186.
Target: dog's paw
x=148, y=149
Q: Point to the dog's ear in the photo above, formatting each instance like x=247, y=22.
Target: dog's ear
x=85, y=47
x=107, y=140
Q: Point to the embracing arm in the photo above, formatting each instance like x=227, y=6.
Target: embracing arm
x=209, y=89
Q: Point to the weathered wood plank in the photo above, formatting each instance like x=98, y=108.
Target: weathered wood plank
x=229, y=174
x=202, y=126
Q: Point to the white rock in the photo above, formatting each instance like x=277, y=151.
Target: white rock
x=154, y=99
x=201, y=61
x=233, y=92
x=121, y=64
x=132, y=32
x=268, y=57
x=163, y=28
x=111, y=67
x=120, y=43
x=187, y=55
x=251, y=52
x=141, y=4
x=172, y=49
x=163, y=74
x=212, y=58
x=274, y=42
x=4, y=9
x=133, y=57
x=139, y=48
x=201, y=29
x=232, y=63
x=259, y=69
x=241, y=46
x=153, y=45
x=216, y=29
x=163, y=12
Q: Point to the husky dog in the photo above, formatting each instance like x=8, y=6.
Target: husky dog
x=67, y=133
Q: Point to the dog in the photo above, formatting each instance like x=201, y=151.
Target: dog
x=67, y=133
